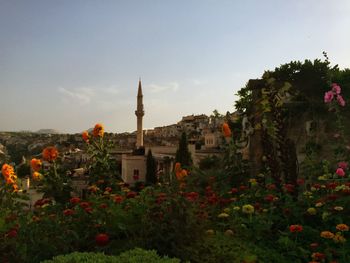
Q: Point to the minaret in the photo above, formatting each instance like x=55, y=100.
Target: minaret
x=139, y=113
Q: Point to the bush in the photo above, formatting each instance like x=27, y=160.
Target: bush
x=82, y=257
x=221, y=248
x=136, y=255
x=139, y=255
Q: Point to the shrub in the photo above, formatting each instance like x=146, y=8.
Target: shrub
x=136, y=255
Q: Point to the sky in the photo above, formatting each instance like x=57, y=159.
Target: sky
x=69, y=64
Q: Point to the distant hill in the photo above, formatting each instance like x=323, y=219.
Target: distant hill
x=47, y=131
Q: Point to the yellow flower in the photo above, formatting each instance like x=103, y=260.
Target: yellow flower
x=327, y=234
x=248, y=209
x=227, y=210
x=342, y=227
x=223, y=215
x=236, y=208
x=253, y=182
x=311, y=211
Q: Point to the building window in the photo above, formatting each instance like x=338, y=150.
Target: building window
x=136, y=172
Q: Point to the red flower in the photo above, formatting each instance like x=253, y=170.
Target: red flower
x=332, y=185
x=316, y=186
x=108, y=189
x=84, y=204
x=12, y=233
x=270, y=198
x=300, y=181
x=234, y=190
x=103, y=206
x=74, y=200
x=314, y=245
x=295, y=228
x=271, y=187
x=88, y=210
x=101, y=239
x=340, y=172
x=289, y=188
x=68, y=212
x=131, y=194
x=192, y=196
x=213, y=199
x=242, y=188
x=118, y=199
x=343, y=165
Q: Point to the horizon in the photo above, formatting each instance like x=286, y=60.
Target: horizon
x=70, y=64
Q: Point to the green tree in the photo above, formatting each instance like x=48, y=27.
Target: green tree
x=183, y=155
x=151, y=176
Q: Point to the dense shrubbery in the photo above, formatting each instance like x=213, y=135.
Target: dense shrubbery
x=136, y=255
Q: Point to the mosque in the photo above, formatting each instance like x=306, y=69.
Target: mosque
x=133, y=164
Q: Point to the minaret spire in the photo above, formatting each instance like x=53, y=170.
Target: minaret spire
x=139, y=114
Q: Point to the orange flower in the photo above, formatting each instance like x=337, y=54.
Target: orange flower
x=50, y=153
x=342, y=227
x=15, y=187
x=36, y=164
x=177, y=167
x=85, y=136
x=9, y=174
x=327, y=234
x=180, y=175
x=36, y=176
x=98, y=130
x=226, y=130
x=7, y=170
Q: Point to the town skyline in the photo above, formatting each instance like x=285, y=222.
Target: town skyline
x=71, y=64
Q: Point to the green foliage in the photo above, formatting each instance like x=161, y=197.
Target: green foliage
x=145, y=256
x=210, y=162
x=183, y=155
x=222, y=248
x=151, y=172
x=136, y=255
x=101, y=167
x=55, y=184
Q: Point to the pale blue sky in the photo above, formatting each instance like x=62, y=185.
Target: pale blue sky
x=68, y=64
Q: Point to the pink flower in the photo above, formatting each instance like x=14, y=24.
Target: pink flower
x=340, y=100
x=343, y=165
x=340, y=172
x=336, y=88
x=328, y=96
